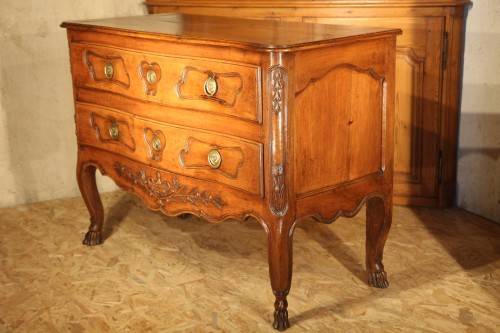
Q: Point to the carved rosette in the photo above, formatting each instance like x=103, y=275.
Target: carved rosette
x=277, y=79
x=166, y=192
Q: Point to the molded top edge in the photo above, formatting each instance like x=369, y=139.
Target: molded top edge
x=255, y=34
x=310, y=3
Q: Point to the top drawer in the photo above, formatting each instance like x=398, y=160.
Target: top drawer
x=213, y=86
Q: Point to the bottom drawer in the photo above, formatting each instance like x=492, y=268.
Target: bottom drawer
x=200, y=154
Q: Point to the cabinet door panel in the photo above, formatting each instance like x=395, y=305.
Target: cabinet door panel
x=429, y=152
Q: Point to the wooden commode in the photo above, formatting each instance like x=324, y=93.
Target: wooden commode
x=231, y=118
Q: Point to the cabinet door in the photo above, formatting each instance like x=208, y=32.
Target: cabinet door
x=418, y=97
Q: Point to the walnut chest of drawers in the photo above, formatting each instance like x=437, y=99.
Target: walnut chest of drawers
x=231, y=118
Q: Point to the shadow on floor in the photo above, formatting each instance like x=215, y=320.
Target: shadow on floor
x=115, y=215
x=472, y=241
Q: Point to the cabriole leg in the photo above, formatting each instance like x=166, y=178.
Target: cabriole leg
x=279, y=245
x=378, y=223
x=88, y=188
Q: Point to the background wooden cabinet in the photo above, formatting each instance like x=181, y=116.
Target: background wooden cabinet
x=428, y=72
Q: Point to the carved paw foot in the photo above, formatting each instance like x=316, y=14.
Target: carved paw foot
x=378, y=279
x=281, y=322
x=92, y=238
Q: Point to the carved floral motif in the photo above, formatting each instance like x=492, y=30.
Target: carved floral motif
x=277, y=83
x=165, y=192
x=279, y=199
x=278, y=88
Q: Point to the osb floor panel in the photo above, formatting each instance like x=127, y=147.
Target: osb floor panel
x=161, y=274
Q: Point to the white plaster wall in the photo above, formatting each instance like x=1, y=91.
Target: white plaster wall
x=37, y=140
x=479, y=142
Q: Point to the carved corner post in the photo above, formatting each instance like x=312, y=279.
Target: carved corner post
x=281, y=213
x=85, y=174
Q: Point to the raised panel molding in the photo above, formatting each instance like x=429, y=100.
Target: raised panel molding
x=341, y=155
x=409, y=115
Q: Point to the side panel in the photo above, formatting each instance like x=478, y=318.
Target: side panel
x=342, y=115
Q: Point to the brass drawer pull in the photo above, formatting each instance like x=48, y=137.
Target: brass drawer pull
x=210, y=86
x=156, y=143
x=151, y=76
x=109, y=71
x=214, y=158
x=113, y=131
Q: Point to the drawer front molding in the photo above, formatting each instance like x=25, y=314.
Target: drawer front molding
x=102, y=125
x=232, y=95
x=222, y=88
x=180, y=150
x=98, y=66
x=198, y=158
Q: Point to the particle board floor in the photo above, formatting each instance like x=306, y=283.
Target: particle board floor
x=161, y=274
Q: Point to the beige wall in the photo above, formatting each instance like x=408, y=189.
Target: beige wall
x=479, y=152
x=37, y=140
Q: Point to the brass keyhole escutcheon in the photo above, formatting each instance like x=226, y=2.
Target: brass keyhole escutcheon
x=109, y=71
x=210, y=86
x=151, y=76
x=156, y=143
x=113, y=131
x=214, y=158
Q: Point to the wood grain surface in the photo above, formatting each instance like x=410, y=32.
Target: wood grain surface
x=246, y=33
